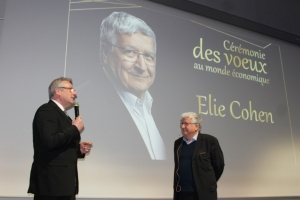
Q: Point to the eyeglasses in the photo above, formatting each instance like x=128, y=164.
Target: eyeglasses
x=71, y=89
x=186, y=124
x=132, y=55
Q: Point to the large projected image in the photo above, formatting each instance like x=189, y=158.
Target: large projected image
x=131, y=73
x=137, y=66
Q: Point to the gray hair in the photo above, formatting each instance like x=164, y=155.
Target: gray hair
x=194, y=116
x=118, y=23
x=55, y=84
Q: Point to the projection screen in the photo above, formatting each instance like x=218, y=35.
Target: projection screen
x=243, y=84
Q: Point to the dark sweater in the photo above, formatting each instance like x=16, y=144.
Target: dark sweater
x=187, y=181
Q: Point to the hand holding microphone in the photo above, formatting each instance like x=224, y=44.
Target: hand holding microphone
x=77, y=121
x=85, y=147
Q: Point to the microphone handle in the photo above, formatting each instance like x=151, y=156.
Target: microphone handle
x=76, y=109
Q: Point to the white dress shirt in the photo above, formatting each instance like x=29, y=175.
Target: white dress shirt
x=140, y=111
x=59, y=105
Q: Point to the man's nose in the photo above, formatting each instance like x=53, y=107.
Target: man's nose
x=140, y=62
x=75, y=94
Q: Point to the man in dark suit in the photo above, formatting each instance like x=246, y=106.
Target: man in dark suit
x=56, y=145
x=199, y=161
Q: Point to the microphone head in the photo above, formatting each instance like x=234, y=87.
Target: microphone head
x=76, y=109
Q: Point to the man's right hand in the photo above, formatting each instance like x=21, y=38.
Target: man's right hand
x=78, y=123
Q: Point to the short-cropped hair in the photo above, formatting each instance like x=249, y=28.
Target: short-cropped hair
x=55, y=84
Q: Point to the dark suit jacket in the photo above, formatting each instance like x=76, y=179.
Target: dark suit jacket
x=56, y=149
x=207, y=163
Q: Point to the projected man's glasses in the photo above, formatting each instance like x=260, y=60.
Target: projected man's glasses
x=132, y=55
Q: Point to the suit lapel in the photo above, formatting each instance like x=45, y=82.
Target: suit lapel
x=198, y=145
x=62, y=113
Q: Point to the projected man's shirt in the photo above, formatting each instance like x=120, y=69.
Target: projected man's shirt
x=140, y=111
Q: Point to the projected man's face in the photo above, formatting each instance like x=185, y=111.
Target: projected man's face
x=132, y=63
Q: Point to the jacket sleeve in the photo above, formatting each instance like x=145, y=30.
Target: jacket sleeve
x=217, y=158
x=79, y=154
x=53, y=133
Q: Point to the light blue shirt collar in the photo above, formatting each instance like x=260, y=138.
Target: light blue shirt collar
x=193, y=139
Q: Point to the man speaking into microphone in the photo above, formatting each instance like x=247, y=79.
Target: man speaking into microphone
x=56, y=143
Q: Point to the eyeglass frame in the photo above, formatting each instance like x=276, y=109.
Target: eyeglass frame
x=137, y=54
x=186, y=124
x=71, y=89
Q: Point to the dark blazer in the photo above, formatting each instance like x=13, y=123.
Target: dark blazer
x=56, y=149
x=207, y=163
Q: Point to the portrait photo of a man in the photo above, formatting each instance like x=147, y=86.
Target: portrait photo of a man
x=128, y=57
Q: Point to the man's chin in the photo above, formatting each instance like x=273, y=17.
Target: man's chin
x=184, y=133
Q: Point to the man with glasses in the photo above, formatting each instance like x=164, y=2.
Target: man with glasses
x=56, y=142
x=199, y=161
x=128, y=56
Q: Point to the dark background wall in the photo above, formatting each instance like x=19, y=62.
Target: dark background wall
x=276, y=18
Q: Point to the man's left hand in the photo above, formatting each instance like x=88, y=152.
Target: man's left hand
x=85, y=147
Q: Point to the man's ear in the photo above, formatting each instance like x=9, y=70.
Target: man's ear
x=199, y=127
x=56, y=91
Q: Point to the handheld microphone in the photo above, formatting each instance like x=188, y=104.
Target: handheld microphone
x=76, y=109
